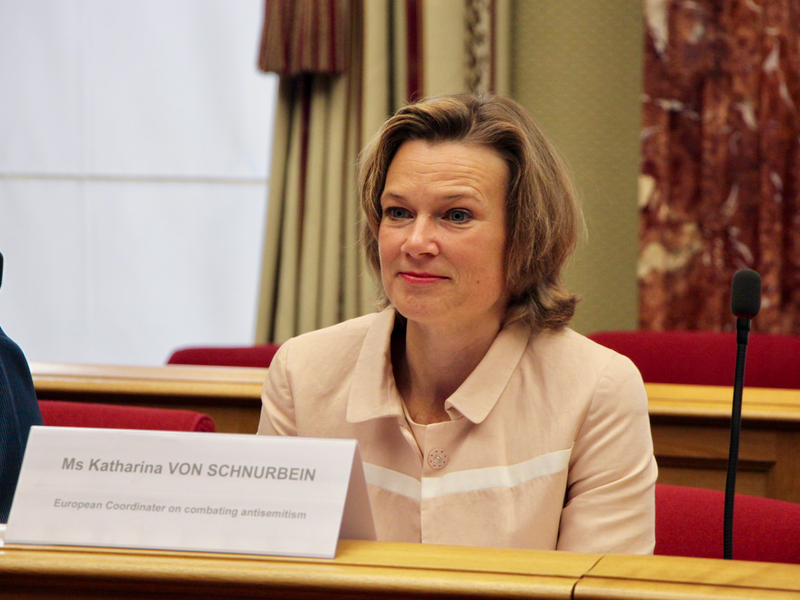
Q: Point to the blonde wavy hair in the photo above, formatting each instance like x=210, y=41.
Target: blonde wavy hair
x=543, y=216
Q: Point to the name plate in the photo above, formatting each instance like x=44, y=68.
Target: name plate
x=189, y=491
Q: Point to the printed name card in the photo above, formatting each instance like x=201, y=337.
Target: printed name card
x=190, y=491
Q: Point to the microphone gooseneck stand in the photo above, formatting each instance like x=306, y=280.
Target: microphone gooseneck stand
x=745, y=304
x=742, y=334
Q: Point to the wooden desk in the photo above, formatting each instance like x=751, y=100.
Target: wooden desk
x=691, y=436
x=360, y=570
x=617, y=576
x=383, y=570
x=229, y=395
x=691, y=424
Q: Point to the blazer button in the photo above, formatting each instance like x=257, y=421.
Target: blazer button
x=437, y=459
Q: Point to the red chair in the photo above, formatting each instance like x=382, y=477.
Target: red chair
x=707, y=357
x=83, y=414
x=689, y=523
x=259, y=355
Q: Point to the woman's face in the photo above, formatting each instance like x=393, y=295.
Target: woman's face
x=442, y=234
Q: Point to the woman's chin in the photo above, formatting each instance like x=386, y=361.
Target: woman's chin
x=429, y=312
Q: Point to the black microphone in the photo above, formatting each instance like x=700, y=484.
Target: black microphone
x=1, y=269
x=745, y=304
x=746, y=294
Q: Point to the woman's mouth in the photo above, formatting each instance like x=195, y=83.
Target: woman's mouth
x=415, y=277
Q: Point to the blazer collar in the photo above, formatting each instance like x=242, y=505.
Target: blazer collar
x=373, y=393
x=482, y=389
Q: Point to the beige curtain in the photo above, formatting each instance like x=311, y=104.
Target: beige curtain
x=345, y=66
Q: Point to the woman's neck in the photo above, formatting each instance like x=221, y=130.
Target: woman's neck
x=431, y=363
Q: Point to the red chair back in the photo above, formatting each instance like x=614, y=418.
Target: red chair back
x=707, y=357
x=259, y=355
x=83, y=414
x=689, y=522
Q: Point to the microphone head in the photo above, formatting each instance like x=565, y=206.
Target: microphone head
x=746, y=294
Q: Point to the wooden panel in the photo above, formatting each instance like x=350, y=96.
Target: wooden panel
x=785, y=483
x=384, y=570
x=747, y=482
x=229, y=395
x=708, y=402
x=691, y=438
x=181, y=381
x=667, y=577
x=360, y=570
x=711, y=442
x=697, y=456
x=591, y=588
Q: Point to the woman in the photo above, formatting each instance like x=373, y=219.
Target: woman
x=482, y=420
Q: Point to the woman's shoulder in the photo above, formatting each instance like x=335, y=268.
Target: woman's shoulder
x=345, y=332
x=567, y=339
x=567, y=347
x=330, y=344
x=356, y=327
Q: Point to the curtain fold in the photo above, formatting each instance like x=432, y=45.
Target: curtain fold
x=720, y=145
x=305, y=36
x=330, y=104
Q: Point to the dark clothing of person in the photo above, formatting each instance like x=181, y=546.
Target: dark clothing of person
x=20, y=410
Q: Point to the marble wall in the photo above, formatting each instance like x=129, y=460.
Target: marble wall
x=720, y=162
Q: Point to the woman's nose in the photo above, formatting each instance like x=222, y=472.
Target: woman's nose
x=421, y=238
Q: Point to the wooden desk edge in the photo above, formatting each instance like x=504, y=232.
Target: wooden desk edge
x=66, y=380
x=379, y=569
x=675, y=570
x=385, y=570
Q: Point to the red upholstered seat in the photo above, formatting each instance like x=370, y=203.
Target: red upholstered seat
x=259, y=355
x=689, y=523
x=707, y=357
x=84, y=414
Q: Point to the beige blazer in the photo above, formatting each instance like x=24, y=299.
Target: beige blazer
x=548, y=444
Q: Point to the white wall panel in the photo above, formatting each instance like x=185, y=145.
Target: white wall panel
x=134, y=141
x=44, y=303
x=158, y=77
x=41, y=102
x=173, y=265
x=107, y=272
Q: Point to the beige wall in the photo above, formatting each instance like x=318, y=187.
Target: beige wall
x=577, y=66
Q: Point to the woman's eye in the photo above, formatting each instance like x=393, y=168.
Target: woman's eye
x=395, y=212
x=458, y=215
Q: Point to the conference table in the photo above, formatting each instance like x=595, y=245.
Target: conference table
x=384, y=570
x=690, y=424
x=690, y=430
